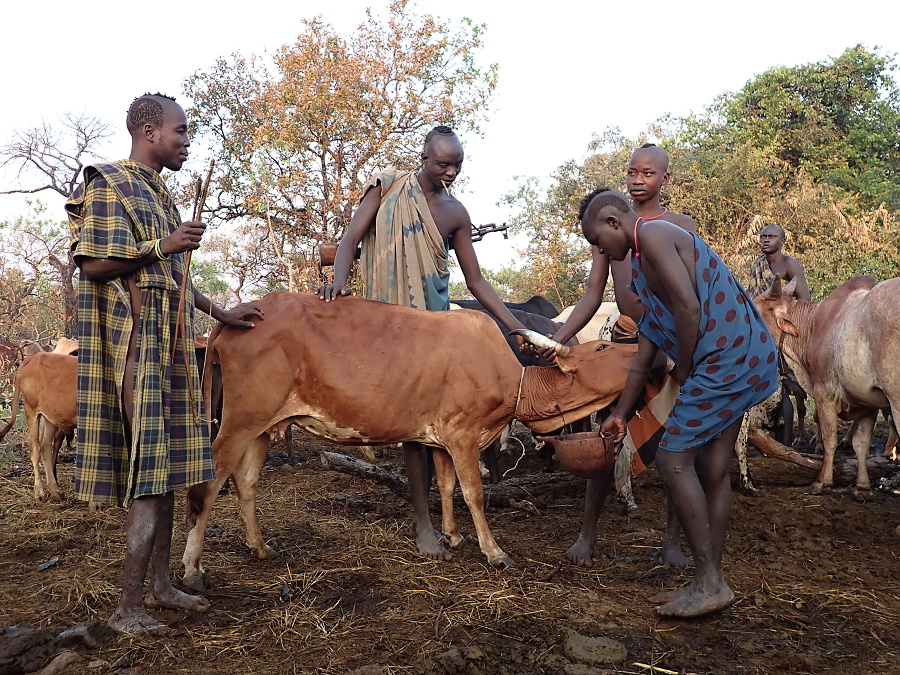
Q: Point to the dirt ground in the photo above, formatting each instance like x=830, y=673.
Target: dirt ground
x=816, y=576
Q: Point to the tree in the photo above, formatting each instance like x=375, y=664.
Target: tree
x=812, y=148
x=835, y=119
x=55, y=154
x=37, y=296
x=296, y=138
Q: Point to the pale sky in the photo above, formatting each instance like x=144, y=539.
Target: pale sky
x=567, y=70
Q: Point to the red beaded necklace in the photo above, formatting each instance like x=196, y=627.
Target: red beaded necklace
x=658, y=215
x=637, y=250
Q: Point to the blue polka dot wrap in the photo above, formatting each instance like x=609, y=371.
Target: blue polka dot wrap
x=736, y=361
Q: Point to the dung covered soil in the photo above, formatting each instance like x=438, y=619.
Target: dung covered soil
x=816, y=577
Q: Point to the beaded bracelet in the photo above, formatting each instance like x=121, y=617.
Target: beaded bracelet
x=159, y=253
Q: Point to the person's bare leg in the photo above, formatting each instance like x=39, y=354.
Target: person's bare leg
x=670, y=552
x=427, y=540
x=703, y=507
x=162, y=593
x=140, y=536
x=581, y=552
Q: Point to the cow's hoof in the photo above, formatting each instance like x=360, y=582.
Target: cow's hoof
x=750, y=491
x=454, y=540
x=501, y=560
x=862, y=494
x=194, y=581
x=264, y=553
x=817, y=488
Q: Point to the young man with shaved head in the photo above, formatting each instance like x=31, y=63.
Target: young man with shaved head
x=142, y=432
x=647, y=173
x=725, y=363
x=773, y=264
x=407, y=222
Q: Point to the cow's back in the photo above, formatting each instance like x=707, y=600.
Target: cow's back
x=365, y=368
x=48, y=383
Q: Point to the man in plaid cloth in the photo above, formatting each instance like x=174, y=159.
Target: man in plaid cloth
x=142, y=431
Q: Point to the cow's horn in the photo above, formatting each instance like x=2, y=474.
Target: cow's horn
x=541, y=341
x=774, y=291
x=791, y=287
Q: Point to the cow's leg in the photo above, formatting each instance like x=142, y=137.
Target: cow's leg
x=34, y=440
x=862, y=442
x=488, y=465
x=427, y=541
x=465, y=462
x=828, y=428
x=581, y=552
x=786, y=437
x=228, y=451
x=246, y=479
x=800, y=438
x=446, y=480
x=50, y=441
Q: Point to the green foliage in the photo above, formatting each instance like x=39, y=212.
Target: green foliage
x=813, y=148
x=837, y=120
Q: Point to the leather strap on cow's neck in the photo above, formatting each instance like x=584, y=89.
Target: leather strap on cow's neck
x=519, y=394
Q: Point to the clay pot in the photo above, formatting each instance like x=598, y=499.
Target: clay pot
x=584, y=454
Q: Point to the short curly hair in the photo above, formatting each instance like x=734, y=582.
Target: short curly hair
x=146, y=109
x=596, y=199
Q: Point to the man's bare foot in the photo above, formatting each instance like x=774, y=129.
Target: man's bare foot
x=133, y=623
x=429, y=544
x=671, y=555
x=172, y=598
x=665, y=597
x=580, y=553
x=697, y=601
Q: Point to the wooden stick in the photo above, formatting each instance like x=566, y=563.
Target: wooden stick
x=200, y=194
x=446, y=189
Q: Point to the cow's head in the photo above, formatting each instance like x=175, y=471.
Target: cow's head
x=588, y=377
x=774, y=305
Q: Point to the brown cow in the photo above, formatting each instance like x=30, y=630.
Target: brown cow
x=844, y=351
x=364, y=372
x=48, y=384
x=65, y=346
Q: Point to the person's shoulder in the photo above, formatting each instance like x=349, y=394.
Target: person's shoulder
x=682, y=220
x=793, y=263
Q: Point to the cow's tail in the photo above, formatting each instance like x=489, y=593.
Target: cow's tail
x=196, y=496
x=212, y=357
x=15, y=409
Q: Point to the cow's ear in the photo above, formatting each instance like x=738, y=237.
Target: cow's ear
x=784, y=322
x=566, y=363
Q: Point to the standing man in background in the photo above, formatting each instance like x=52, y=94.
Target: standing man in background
x=407, y=222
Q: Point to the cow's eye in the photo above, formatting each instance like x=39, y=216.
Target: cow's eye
x=601, y=347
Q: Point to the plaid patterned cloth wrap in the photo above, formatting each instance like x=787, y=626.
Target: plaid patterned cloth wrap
x=119, y=211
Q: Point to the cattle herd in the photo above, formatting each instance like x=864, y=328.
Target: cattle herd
x=456, y=385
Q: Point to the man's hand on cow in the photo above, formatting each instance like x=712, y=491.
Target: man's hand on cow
x=241, y=316
x=332, y=292
x=185, y=238
x=614, y=426
x=547, y=354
